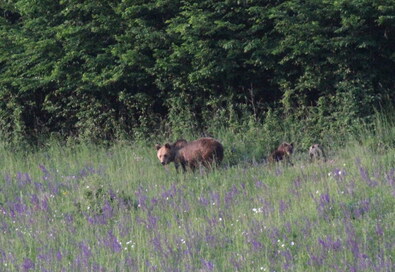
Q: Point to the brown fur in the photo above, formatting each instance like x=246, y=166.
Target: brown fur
x=316, y=153
x=180, y=143
x=204, y=151
x=283, y=152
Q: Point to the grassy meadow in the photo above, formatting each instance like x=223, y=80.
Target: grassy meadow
x=91, y=208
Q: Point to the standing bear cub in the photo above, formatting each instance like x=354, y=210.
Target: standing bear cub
x=204, y=151
x=283, y=152
x=316, y=153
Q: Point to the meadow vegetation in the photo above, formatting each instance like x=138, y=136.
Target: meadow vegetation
x=85, y=207
x=87, y=88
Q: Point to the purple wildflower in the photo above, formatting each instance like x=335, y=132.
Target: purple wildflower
x=256, y=245
x=85, y=250
x=329, y=244
x=297, y=182
x=39, y=186
x=45, y=172
x=365, y=174
x=130, y=262
x=288, y=259
x=156, y=242
x=325, y=198
x=152, y=222
x=53, y=187
x=207, y=265
x=236, y=262
x=18, y=207
x=59, y=256
x=141, y=198
x=210, y=238
x=107, y=211
x=203, y=201
x=338, y=174
x=44, y=204
x=45, y=254
x=112, y=243
x=23, y=179
x=230, y=195
x=324, y=204
x=259, y=184
x=167, y=194
x=89, y=170
x=379, y=230
x=97, y=219
x=69, y=218
x=363, y=208
x=316, y=260
x=27, y=264
x=35, y=201
x=215, y=199
x=283, y=206
x=390, y=177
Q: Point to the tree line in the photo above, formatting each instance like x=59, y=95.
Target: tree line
x=106, y=69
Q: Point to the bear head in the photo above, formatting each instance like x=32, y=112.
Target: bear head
x=165, y=153
x=286, y=148
x=314, y=146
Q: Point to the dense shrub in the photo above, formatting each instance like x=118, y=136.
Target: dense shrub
x=128, y=69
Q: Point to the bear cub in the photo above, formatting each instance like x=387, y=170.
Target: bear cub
x=316, y=153
x=283, y=152
x=201, y=152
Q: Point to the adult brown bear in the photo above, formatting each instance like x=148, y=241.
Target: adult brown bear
x=202, y=152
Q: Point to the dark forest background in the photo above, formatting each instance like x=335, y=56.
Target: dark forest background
x=130, y=69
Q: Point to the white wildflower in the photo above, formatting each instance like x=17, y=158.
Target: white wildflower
x=259, y=210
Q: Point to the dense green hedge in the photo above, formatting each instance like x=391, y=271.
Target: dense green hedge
x=109, y=69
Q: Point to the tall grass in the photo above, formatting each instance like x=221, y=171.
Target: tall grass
x=93, y=208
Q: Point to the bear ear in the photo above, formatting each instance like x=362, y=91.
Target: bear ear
x=158, y=146
x=167, y=145
x=292, y=144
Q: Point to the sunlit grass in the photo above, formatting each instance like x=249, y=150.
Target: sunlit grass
x=92, y=208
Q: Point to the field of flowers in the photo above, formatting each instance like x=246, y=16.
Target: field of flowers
x=87, y=208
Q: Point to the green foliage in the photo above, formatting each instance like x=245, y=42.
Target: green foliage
x=128, y=69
